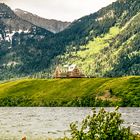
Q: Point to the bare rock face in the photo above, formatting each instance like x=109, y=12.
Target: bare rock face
x=11, y=20
x=50, y=25
x=10, y=23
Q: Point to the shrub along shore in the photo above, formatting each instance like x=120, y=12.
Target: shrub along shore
x=102, y=125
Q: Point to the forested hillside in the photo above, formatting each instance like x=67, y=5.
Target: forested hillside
x=110, y=46
x=115, y=53
x=18, y=41
x=103, y=44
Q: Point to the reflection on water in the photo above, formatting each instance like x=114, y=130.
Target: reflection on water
x=51, y=122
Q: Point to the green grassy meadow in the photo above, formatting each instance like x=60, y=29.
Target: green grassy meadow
x=124, y=91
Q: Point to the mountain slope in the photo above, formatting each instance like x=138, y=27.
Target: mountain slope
x=50, y=25
x=71, y=92
x=115, y=53
x=12, y=21
x=105, y=43
x=15, y=33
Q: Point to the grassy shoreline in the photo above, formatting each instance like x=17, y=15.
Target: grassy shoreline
x=122, y=91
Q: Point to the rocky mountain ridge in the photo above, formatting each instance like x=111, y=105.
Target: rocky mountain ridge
x=51, y=25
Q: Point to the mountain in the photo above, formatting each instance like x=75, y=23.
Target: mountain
x=50, y=25
x=15, y=33
x=11, y=23
x=103, y=44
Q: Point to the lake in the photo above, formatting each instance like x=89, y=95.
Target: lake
x=43, y=122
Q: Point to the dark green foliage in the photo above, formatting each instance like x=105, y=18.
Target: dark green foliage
x=76, y=102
